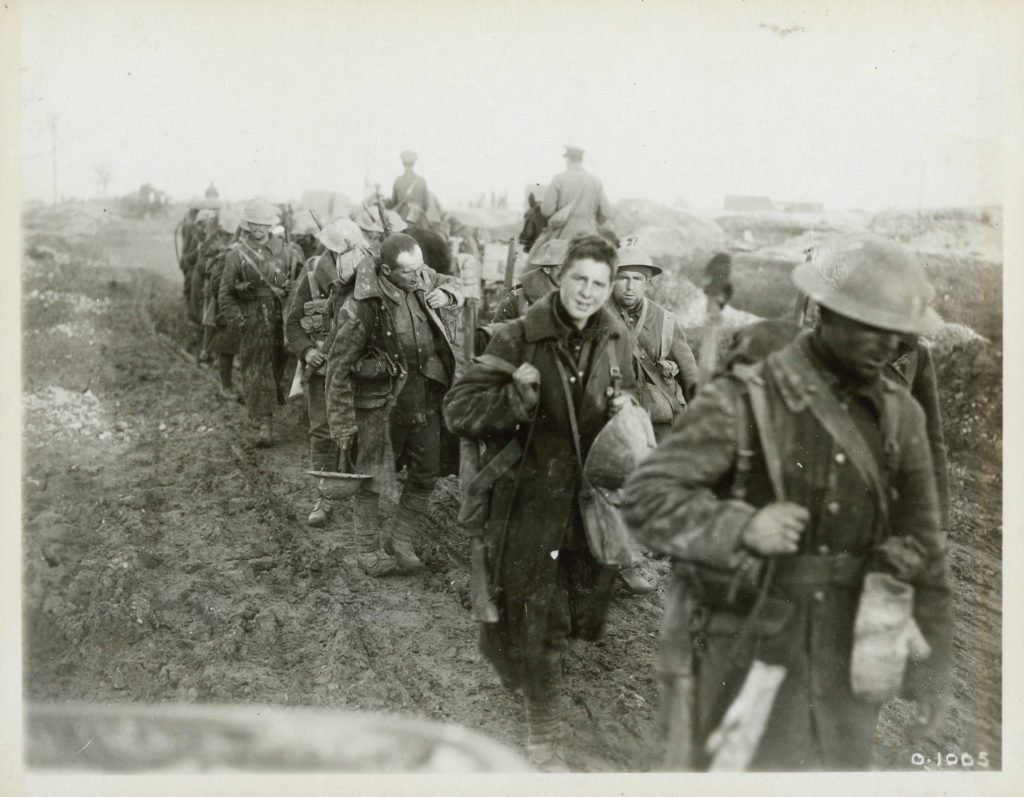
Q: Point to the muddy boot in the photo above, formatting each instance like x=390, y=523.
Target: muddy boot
x=543, y=745
x=265, y=436
x=225, y=365
x=322, y=511
x=366, y=538
x=634, y=582
x=398, y=542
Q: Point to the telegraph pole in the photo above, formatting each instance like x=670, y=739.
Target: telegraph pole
x=53, y=152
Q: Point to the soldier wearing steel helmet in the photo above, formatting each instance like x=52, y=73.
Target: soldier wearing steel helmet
x=665, y=368
x=252, y=292
x=785, y=487
x=368, y=219
x=322, y=286
x=539, y=279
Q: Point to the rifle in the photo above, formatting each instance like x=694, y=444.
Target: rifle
x=316, y=221
x=510, y=266
x=385, y=222
x=718, y=289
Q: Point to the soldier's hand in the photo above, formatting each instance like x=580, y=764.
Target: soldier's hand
x=618, y=402
x=776, y=528
x=344, y=443
x=930, y=716
x=437, y=299
x=314, y=357
x=526, y=378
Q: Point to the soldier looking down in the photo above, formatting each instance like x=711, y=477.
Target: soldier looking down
x=390, y=364
x=798, y=498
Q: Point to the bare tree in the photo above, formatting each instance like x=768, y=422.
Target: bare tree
x=103, y=174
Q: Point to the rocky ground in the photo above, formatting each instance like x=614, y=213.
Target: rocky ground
x=167, y=559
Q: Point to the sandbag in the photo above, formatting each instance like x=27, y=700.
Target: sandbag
x=885, y=636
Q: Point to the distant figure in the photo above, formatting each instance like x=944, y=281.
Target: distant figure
x=211, y=191
x=575, y=203
x=409, y=195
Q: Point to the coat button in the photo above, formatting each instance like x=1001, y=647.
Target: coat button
x=840, y=458
x=823, y=549
x=833, y=507
x=572, y=379
x=819, y=595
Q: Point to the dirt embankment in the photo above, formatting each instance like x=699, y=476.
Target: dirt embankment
x=167, y=559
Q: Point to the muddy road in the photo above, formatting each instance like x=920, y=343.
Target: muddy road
x=167, y=559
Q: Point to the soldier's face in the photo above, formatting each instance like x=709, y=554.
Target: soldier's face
x=405, y=274
x=629, y=287
x=585, y=286
x=862, y=350
x=258, y=232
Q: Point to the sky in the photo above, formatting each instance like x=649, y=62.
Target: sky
x=857, y=105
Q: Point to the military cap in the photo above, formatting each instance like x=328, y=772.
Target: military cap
x=260, y=211
x=341, y=235
x=549, y=253
x=369, y=219
x=872, y=280
x=633, y=258
x=205, y=214
x=408, y=156
x=573, y=149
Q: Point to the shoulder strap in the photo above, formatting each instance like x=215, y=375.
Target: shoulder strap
x=571, y=409
x=762, y=420
x=314, y=286
x=668, y=332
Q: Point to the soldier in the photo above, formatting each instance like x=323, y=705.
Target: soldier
x=222, y=338
x=368, y=219
x=319, y=291
x=575, y=202
x=211, y=191
x=568, y=346
x=663, y=363
x=390, y=364
x=539, y=279
x=792, y=481
x=409, y=195
x=251, y=296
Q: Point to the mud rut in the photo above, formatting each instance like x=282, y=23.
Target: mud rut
x=171, y=562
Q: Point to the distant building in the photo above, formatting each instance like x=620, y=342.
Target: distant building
x=748, y=203
x=802, y=207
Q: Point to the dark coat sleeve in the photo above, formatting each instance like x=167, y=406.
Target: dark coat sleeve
x=915, y=512
x=299, y=341
x=670, y=502
x=353, y=329
x=682, y=355
x=925, y=390
x=226, y=295
x=484, y=403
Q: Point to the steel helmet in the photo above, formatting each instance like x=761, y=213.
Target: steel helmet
x=549, y=253
x=260, y=211
x=619, y=447
x=341, y=235
x=369, y=220
x=634, y=256
x=229, y=219
x=872, y=280
x=205, y=215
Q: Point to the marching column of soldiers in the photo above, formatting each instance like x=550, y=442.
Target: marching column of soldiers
x=798, y=488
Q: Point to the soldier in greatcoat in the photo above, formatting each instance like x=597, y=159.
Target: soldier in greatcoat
x=549, y=586
x=575, y=202
x=390, y=364
x=320, y=290
x=780, y=490
x=251, y=296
